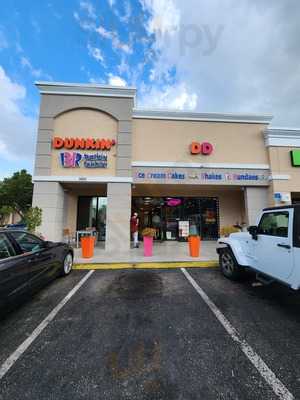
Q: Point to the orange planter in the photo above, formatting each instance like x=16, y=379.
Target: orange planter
x=194, y=246
x=87, y=246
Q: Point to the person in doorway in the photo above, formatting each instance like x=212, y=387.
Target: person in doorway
x=134, y=226
x=156, y=224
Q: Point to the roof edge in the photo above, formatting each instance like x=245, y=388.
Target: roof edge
x=84, y=89
x=140, y=113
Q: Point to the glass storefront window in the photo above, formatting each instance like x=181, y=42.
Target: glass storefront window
x=177, y=215
x=92, y=214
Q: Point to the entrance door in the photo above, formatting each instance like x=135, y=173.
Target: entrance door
x=172, y=216
x=92, y=214
x=273, y=247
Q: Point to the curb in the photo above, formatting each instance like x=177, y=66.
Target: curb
x=150, y=265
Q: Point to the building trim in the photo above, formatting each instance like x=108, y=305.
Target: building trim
x=169, y=164
x=205, y=117
x=73, y=89
x=65, y=93
x=282, y=137
x=280, y=177
x=82, y=179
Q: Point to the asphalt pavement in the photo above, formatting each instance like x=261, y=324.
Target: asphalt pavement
x=137, y=334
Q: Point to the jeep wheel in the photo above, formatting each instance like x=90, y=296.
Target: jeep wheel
x=229, y=267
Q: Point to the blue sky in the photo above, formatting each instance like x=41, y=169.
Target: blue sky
x=193, y=55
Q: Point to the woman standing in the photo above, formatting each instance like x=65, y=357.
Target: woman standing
x=134, y=227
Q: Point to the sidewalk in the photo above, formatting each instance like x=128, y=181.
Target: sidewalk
x=165, y=252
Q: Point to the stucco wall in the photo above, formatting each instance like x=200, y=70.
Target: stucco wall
x=280, y=161
x=84, y=123
x=165, y=140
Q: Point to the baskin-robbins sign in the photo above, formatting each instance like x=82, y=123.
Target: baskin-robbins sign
x=76, y=159
x=204, y=176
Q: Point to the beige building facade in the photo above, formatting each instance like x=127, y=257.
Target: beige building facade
x=99, y=158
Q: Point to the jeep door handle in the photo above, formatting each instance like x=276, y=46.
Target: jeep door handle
x=285, y=246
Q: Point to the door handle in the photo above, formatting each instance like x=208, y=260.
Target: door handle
x=285, y=246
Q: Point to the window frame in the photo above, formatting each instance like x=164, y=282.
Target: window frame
x=16, y=252
x=21, y=251
x=281, y=212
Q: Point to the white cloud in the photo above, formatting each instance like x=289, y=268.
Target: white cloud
x=124, y=67
x=115, y=80
x=116, y=42
x=125, y=17
x=36, y=73
x=96, y=53
x=128, y=11
x=85, y=25
x=175, y=96
x=17, y=131
x=89, y=8
x=165, y=16
x=241, y=57
x=111, y=2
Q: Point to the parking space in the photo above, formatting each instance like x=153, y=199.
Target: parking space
x=149, y=335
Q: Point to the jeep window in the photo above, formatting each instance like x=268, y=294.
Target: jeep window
x=274, y=224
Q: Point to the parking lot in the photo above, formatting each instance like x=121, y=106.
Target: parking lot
x=145, y=334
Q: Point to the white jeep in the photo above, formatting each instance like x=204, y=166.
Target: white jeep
x=272, y=248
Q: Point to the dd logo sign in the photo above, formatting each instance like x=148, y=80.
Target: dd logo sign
x=204, y=148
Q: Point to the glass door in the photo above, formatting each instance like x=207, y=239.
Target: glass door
x=172, y=211
x=92, y=214
x=209, y=218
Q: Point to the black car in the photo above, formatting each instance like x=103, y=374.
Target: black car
x=27, y=262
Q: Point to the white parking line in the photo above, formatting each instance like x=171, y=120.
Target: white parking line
x=24, y=346
x=278, y=387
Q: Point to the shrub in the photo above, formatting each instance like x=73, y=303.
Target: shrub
x=149, y=232
x=33, y=218
x=227, y=230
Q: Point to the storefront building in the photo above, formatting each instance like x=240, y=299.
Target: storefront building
x=99, y=158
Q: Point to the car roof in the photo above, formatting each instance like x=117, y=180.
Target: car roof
x=290, y=206
x=5, y=230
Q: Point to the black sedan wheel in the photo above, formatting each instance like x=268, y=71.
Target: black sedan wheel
x=229, y=267
x=67, y=264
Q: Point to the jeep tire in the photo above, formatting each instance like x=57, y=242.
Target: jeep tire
x=228, y=265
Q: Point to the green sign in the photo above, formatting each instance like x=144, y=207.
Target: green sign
x=295, y=155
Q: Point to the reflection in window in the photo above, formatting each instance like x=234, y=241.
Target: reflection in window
x=6, y=249
x=274, y=224
x=27, y=242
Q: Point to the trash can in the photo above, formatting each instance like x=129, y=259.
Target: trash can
x=194, y=245
x=87, y=246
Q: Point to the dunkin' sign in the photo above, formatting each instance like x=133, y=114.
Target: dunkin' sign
x=59, y=143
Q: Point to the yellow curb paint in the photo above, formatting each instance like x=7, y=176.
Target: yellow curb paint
x=150, y=265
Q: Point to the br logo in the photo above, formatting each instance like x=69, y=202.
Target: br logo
x=70, y=160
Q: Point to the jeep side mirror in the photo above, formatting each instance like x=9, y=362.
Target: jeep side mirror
x=253, y=230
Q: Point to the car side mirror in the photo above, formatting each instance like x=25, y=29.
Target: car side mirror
x=46, y=244
x=253, y=230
